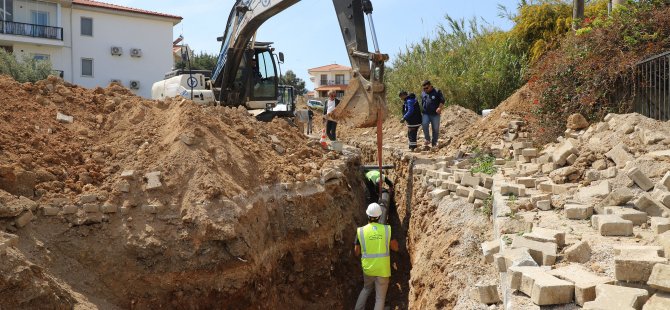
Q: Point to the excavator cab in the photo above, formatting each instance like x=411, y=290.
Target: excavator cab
x=257, y=78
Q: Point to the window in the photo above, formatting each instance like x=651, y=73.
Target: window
x=39, y=18
x=41, y=57
x=265, y=85
x=324, y=79
x=87, y=67
x=86, y=26
x=7, y=10
x=339, y=79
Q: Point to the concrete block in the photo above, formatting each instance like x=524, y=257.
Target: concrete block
x=488, y=293
x=109, y=208
x=545, y=289
x=513, y=189
x=151, y=209
x=88, y=198
x=578, y=212
x=530, y=153
x=636, y=265
x=543, y=253
x=481, y=193
x=515, y=276
x=463, y=191
x=618, y=249
x=438, y=194
x=128, y=174
x=635, y=216
x=91, y=208
x=664, y=241
x=619, y=155
x=50, y=211
x=571, y=159
x=558, y=189
x=62, y=118
x=488, y=182
x=69, y=209
x=123, y=186
x=513, y=258
x=617, y=197
x=527, y=182
x=612, y=225
x=651, y=206
x=579, y=252
x=659, y=301
x=663, y=197
x=609, y=173
x=489, y=249
x=153, y=180
x=660, y=224
x=640, y=178
x=660, y=277
x=470, y=180
x=610, y=297
x=544, y=205
x=452, y=186
x=585, y=281
x=562, y=151
x=23, y=219
x=542, y=234
x=535, y=198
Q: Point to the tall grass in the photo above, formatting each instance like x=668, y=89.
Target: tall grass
x=27, y=70
x=474, y=65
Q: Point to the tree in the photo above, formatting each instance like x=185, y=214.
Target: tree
x=27, y=70
x=291, y=79
x=202, y=61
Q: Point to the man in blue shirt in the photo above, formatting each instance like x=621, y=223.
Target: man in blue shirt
x=411, y=112
x=432, y=101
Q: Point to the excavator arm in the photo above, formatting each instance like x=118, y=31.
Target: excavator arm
x=364, y=101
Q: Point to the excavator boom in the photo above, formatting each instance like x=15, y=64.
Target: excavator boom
x=364, y=101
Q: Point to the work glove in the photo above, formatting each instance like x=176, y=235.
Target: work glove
x=402, y=120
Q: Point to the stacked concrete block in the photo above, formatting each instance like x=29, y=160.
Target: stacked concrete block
x=635, y=265
x=489, y=249
x=617, y=297
x=470, y=180
x=640, y=179
x=612, y=225
x=660, y=224
x=579, y=252
x=463, y=191
x=585, y=282
x=513, y=189
x=438, y=194
x=544, y=253
x=488, y=293
x=659, y=301
x=651, y=206
x=660, y=277
x=508, y=258
x=635, y=216
x=578, y=212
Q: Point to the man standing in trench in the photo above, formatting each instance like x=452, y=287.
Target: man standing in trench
x=373, y=244
x=433, y=101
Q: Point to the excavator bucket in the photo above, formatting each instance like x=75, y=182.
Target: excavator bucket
x=363, y=103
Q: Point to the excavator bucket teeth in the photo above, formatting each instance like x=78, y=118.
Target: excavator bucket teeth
x=360, y=105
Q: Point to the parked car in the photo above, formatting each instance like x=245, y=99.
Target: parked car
x=315, y=104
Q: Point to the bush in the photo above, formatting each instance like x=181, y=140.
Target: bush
x=27, y=70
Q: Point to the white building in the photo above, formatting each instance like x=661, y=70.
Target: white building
x=331, y=77
x=91, y=43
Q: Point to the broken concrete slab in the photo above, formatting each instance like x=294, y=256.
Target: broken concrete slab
x=543, y=253
x=635, y=216
x=612, y=225
x=579, y=252
x=153, y=180
x=585, y=281
x=660, y=277
x=617, y=297
x=636, y=265
x=562, y=151
x=513, y=258
x=617, y=197
x=542, y=234
x=490, y=248
x=659, y=301
x=660, y=224
x=619, y=155
x=640, y=178
x=578, y=212
x=651, y=206
x=545, y=289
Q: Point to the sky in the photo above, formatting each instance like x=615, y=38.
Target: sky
x=308, y=32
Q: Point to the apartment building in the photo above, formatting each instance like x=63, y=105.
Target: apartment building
x=330, y=77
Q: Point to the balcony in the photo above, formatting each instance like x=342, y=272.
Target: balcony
x=333, y=82
x=31, y=30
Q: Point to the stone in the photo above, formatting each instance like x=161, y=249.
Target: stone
x=577, y=121
x=609, y=173
x=599, y=164
x=665, y=181
x=579, y=252
x=123, y=186
x=609, y=297
x=69, y=209
x=659, y=155
x=612, y=225
x=636, y=265
x=660, y=277
x=543, y=253
x=50, y=211
x=542, y=234
x=512, y=258
x=619, y=155
x=561, y=153
x=470, y=180
x=463, y=191
x=63, y=118
x=585, y=281
x=640, y=179
x=438, y=194
x=490, y=248
x=578, y=212
x=481, y=193
x=488, y=293
x=88, y=198
x=151, y=209
x=617, y=197
x=545, y=289
x=153, y=180
x=618, y=249
x=91, y=208
x=571, y=159
x=529, y=153
x=527, y=182
x=109, y=208
x=650, y=137
x=660, y=224
x=650, y=206
x=187, y=139
x=544, y=205
x=24, y=219
x=600, y=190
x=635, y=216
x=128, y=174
x=659, y=301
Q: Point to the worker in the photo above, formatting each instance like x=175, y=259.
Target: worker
x=373, y=242
x=329, y=107
x=372, y=179
x=411, y=111
x=433, y=102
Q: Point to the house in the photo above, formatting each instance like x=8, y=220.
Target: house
x=331, y=77
x=91, y=43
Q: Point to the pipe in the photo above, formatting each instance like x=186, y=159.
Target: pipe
x=375, y=167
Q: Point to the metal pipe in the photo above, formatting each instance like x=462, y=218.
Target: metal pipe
x=373, y=32
x=376, y=167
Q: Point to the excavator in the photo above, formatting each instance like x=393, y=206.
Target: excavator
x=246, y=70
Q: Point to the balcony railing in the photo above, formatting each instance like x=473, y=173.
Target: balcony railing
x=31, y=30
x=333, y=82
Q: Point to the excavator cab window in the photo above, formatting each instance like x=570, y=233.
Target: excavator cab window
x=263, y=76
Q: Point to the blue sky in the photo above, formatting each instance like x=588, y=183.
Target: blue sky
x=308, y=32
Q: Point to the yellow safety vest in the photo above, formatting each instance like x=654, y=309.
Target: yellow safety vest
x=373, y=175
x=375, y=239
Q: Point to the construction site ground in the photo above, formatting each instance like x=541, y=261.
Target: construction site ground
x=110, y=201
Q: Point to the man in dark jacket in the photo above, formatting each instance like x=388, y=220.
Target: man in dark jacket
x=328, y=107
x=432, y=101
x=411, y=112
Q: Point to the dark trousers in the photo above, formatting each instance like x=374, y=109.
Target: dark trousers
x=330, y=130
x=412, y=133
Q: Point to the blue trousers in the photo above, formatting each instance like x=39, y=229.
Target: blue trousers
x=434, y=122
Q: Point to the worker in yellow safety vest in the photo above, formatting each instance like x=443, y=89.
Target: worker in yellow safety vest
x=372, y=179
x=373, y=244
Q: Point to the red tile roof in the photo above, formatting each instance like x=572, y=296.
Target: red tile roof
x=99, y=4
x=333, y=67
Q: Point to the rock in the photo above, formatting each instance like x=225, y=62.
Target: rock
x=585, y=281
x=635, y=216
x=612, y=225
x=489, y=249
x=619, y=155
x=153, y=180
x=650, y=206
x=488, y=293
x=60, y=117
x=660, y=277
x=513, y=258
x=543, y=253
x=128, y=174
x=279, y=149
x=578, y=212
x=187, y=139
x=617, y=297
x=24, y=219
x=659, y=301
x=542, y=234
x=640, y=179
x=565, y=149
x=660, y=224
x=579, y=252
x=635, y=265
x=599, y=164
x=577, y=121
x=545, y=289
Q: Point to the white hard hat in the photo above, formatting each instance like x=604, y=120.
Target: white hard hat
x=374, y=210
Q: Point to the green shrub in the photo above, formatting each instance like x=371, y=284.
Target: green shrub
x=484, y=163
x=27, y=70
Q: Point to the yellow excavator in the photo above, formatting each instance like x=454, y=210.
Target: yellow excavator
x=246, y=73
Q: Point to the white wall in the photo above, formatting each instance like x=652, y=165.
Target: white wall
x=153, y=36
x=22, y=11
x=331, y=76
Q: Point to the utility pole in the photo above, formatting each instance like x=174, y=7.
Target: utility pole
x=577, y=14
